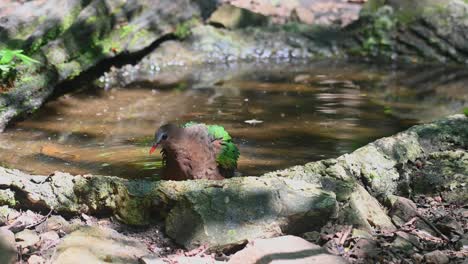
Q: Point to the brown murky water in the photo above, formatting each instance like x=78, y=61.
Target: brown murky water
x=309, y=112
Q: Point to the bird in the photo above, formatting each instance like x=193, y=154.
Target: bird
x=196, y=151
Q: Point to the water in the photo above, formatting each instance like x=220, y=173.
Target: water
x=310, y=111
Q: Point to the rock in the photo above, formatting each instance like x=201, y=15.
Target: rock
x=366, y=212
x=228, y=249
x=436, y=257
x=234, y=17
x=25, y=219
x=366, y=249
x=402, y=209
x=359, y=233
x=219, y=47
x=448, y=224
x=406, y=242
x=7, y=215
x=446, y=173
x=7, y=246
x=54, y=223
x=26, y=238
x=377, y=164
x=49, y=239
x=415, y=30
x=218, y=215
x=462, y=244
x=417, y=258
x=35, y=259
x=285, y=249
x=312, y=237
x=96, y=245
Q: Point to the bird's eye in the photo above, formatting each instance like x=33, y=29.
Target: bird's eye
x=164, y=137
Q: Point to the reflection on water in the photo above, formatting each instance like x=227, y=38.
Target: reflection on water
x=309, y=112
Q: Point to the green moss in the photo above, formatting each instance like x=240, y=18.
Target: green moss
x=184, y=29
x=7, y=197
x=465, y=111
x=55, y=31
x=125, y=30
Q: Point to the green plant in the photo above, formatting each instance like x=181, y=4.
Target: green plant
x=9, y=61
x=378, y=39
x=465, y=111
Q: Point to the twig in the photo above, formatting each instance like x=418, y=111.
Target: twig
x=42, y=220
x=20, y=254
x=411, y=221
x=433, y=227
x=345, y=234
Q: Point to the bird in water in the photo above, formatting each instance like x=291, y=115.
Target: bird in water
x=196, y=151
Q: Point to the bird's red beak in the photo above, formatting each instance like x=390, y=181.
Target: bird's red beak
x=153, y=148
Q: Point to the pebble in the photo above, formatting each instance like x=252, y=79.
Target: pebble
x=35, y=259
x=436, y=257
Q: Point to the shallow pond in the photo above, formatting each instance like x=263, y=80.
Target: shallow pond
x=309, y=111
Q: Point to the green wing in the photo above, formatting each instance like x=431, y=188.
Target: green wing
x=229, y=154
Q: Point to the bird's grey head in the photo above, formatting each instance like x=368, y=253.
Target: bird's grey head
x=163, y=135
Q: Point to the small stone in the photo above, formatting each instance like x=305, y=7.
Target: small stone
x=405, y=241
x=26, y=238
x=462, y=244
x=361, y=233
x=49, y=239
x=464, y=213
x=35, y=259
x=417, y=258
x=447, y=224
x=54, y=223
x=7, y=214
x=365, y=248
x=404, y=208
x=313, y=236
x=436, y=257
